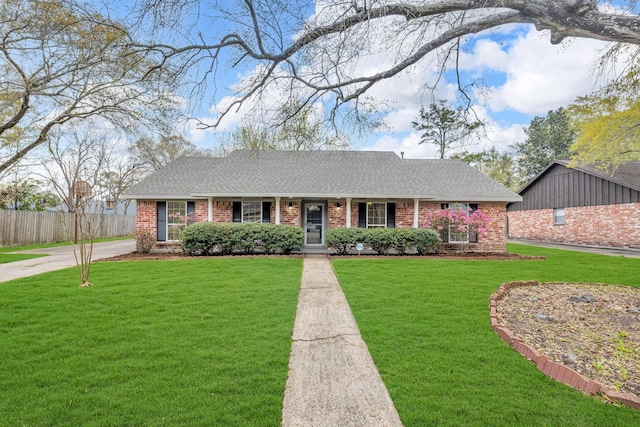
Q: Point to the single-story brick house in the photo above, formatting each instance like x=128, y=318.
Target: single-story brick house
x=318, y=190
x=581, y=205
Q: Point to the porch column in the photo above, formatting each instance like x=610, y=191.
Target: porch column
x=416, y=203
x=277, y=210
x=348, y=200
x=210, y=209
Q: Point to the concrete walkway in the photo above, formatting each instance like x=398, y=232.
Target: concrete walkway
x=332, y=379
x=60, y=257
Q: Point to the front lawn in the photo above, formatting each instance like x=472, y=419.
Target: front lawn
x=426, y=324
x=55, y=244
x=5, y=258
x=198, y=342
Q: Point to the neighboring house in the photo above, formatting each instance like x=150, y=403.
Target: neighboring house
x=127, y=208
x=317, y=190
x=581, y=205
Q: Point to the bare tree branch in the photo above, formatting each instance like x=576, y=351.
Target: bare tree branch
x=318, y=60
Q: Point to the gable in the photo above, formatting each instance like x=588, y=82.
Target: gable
x=559, y=186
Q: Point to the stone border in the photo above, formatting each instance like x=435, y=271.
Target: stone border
x=545, y=365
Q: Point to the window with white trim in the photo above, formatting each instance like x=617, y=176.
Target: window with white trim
x=251, y=211
x=376, y=214
x=456, y=235
x=558, y=216
x=176, y=216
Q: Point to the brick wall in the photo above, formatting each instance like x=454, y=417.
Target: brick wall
x=496, y=238
x=202, y=210
x=605, y=225
x=146, y=215
x=404, y=214
x=495, y=241
x=222, y=211
x=290, y=215
x=337, y=215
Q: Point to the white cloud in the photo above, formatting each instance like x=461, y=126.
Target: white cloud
x=196, y=130
x=539, y=76
x=409, y=144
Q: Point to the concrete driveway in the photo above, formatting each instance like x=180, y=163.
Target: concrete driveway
x=601, y=250
x=61, y=257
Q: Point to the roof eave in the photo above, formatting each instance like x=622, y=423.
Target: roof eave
x=420, y=197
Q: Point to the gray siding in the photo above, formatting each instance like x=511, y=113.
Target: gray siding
x=561, y=187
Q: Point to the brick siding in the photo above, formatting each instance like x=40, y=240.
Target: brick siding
x=605, y=225
x=290, y=215
x=337, y=215
x=495, y=241
x=146, y=215
x=222, y=211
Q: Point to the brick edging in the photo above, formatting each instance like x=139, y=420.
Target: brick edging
x=544, y=364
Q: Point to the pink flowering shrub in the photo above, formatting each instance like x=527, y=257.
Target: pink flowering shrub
x=458, y=225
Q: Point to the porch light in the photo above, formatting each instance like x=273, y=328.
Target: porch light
x=290, y=205
x=338, y=205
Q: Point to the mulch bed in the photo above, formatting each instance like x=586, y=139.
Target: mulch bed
x=137, y=256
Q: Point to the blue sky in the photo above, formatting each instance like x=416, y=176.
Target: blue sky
x=525, y=76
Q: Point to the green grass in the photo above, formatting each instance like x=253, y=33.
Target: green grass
x=55, y=244
x=5, y=258
x=426, y=324
x=197, y=342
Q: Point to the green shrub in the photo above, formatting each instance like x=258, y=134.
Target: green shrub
x=208, y=238
x=343, y=239
x=381, y=240
x=201, y=238
x=402, y=239
x=424, y=240
x=288, y=238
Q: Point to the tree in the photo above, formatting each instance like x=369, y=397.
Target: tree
x=445, y=127
x=294, y=130
x=548, y=138
x=72, y=159
x=322, y=58
x=61, y=62
x=498, y=166
x=153, y=155
x=608, y=124
x=26, y=195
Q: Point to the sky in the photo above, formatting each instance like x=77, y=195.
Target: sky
x=525, y=76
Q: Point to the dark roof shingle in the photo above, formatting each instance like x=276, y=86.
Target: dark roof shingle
x=320, y=174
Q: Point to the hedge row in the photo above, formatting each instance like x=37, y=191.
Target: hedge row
x=215, y=238
x=382, y=240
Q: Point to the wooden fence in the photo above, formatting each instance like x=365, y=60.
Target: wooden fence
x=25, y=227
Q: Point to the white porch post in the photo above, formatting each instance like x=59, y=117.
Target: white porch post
x=277, y=210
x=210, y=209
x=416, y=203
x=348, y=201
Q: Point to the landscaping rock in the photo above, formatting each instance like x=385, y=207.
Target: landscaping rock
x=568, y=359
x=544, y=317
x=586, y=298
x=633, y=310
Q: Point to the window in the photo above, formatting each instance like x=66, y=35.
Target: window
x=454, y=234
x=251, y=211
x=376, y=215
x=176, y=214
x=558, y=216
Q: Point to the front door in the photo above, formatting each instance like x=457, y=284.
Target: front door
x=313, y=222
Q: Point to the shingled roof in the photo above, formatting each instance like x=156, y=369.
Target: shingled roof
x=320, y=174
